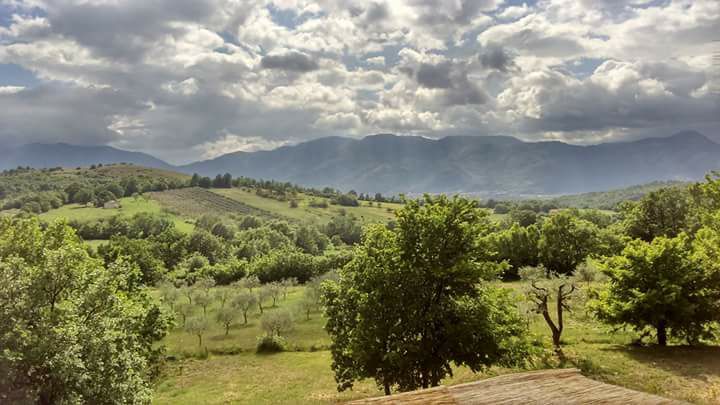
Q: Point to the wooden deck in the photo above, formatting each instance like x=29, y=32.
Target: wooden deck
x=565, y=386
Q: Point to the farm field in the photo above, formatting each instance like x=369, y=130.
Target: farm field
x=304, y=212
x=303, y=375
x=129, y=207
x=194, y=202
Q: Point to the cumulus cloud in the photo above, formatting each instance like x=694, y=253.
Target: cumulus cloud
x=186, y=79
x=495, y=57
x=292, y=61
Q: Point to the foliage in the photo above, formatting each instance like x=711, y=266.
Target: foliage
x=206, y=244
x=286, y=263
x=408, y=304
x=517, y=245
x=277, y=323
x=660, y=286
x=197, y=326
x=226, y=316
x=50, y=289
x=271, y=344
x=663, y=212
x=138, y=252
x=345, y=227
x=565, y=242
x=245, y=301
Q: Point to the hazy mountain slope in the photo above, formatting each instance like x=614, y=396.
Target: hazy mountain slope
x=490, y=165
x=60, y=154
x=486, y=165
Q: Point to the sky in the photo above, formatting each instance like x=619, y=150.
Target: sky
x=187, y=80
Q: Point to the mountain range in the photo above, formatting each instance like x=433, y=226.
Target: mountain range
x=481, y=165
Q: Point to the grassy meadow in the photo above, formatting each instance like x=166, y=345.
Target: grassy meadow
x=305, y=213
x=233, y=373
x=129, y=207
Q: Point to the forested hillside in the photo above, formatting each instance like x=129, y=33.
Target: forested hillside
x=482, y=165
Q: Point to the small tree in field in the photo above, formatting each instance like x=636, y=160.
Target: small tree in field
x=263, y=293
x=197, y=326
x=588, y=273
x=277, y=323
x=170, y=294
x=188, y=292
x=224, y=295
x=244, y=302
x=545, y=289
x=250, y=282
x=661, y=286
x=204, y=299
x=287, y=284
x=307, y=305
x=275, y=290
x=185, y=310
x=226, y=316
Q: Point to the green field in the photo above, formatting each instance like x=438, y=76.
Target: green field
x=304, y=375
x=304, y=212
x=129, y=207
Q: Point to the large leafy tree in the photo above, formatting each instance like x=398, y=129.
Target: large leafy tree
x=566, y=241
x=664, y=212
x=660, y=286
x=72, y=330
x=517, y=245
x=139, y=252
x=412, y=301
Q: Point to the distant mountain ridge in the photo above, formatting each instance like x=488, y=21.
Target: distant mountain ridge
x=42, y=155
x=484, y=165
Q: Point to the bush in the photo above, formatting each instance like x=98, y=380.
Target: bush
x=271, y=344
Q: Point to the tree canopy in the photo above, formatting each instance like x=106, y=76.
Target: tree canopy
x=66, y=320
x=411, y=303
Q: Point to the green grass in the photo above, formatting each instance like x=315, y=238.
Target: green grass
x=283, y=378
x=130, y=207
x=304, y=376
x=306, y=333
x=304, y=212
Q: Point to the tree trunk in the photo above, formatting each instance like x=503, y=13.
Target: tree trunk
x=199, y=340
x=557, y=332
x=662, y=333
x=245, y=317
x=387, y=388
x=227, y=329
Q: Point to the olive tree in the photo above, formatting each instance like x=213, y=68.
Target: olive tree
x=547, y=291
x=226, y=316
x=277, y=323
x=197, y=326
x=244, y=302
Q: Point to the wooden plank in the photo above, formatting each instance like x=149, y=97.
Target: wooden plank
x=563, y=386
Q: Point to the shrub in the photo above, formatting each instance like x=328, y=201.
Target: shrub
x=271, y=344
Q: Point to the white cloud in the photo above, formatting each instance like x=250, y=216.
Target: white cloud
x=182, y=77
x=11, y=89
x=230, y=143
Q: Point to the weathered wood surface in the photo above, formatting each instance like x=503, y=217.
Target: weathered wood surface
x=565, y=386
